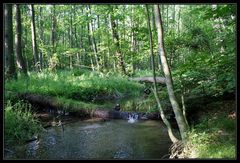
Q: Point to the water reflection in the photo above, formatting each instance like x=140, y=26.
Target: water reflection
x=115, y=139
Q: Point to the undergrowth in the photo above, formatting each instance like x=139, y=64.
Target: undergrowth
x=20, y=124
x=76, y=84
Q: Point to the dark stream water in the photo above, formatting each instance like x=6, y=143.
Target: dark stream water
x=115, y=139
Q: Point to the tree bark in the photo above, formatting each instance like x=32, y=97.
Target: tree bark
x=166, y=122
x=93, y=40
x=183, y=127
x=20, y=60
x=34, y=43
x=41, y=36
x=8, y=45
x=53, y=32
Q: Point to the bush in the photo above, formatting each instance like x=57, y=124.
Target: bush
x=20, y=124
x=212, y=138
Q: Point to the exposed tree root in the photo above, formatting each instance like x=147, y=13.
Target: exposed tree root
x=176, y=149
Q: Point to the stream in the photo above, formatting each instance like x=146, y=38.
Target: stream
x=114, y=139
x=130, y=138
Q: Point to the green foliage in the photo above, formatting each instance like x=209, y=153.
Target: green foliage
x=213, y=138
x=53, y=62
x=79, y=85
x=20, y=124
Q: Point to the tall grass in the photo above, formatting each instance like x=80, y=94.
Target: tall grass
x=20, y=124
x=76, y=84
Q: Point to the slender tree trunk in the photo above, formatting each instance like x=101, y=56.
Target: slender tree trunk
x=26, y=39
x=183, y=102
x=34, y=43
x=75, y=28
x=174, y=21
x=98, y=45
x=83, y=51
x=93, y=40
x=183, y=127
x=167, y=18
x=166, y=122
x=133, y=47
x=71, y=30
x=70, y=61
x=20, y=60
x=179, y=19
x=119, y=55
x=78, y=59
x=53, y=32
x=41, y=37
x=8, y=48
x=70, y=36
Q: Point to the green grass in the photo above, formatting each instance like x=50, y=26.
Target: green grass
x=71, y=105
x=214, y=137
x=20, y=124
x=78, y=85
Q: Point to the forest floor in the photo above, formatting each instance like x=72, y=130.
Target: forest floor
x=213, y=134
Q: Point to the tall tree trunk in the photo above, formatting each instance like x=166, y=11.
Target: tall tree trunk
x=93, y=40
x=34, y=43
x=173, y=17
x=89, y=46
x=26, y=38
x=8, y=45
x=154, y=29
x=20, y=60
x=179, y=19
x=75, y=28
x=71, y=29
x=71, y=39
x=83, y=51
x=167, y=19
x=183, y=127
x=53, y=32
x=166, y=122
x=183, y=101
x=41, y=36
x=119, y=55
x=133, y=47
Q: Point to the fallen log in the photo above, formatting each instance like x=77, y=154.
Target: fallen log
x=78, y=110
x=149, y=79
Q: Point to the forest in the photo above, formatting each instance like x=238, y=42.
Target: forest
x=119, y=81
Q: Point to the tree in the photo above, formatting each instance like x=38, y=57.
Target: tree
x=94, y=46
x=183, y=127
x=20, y=60
x=53, y=29
x=119, y=55
x=34, y=43
x=166, y=122
x=8, y=45
x=41, y=36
